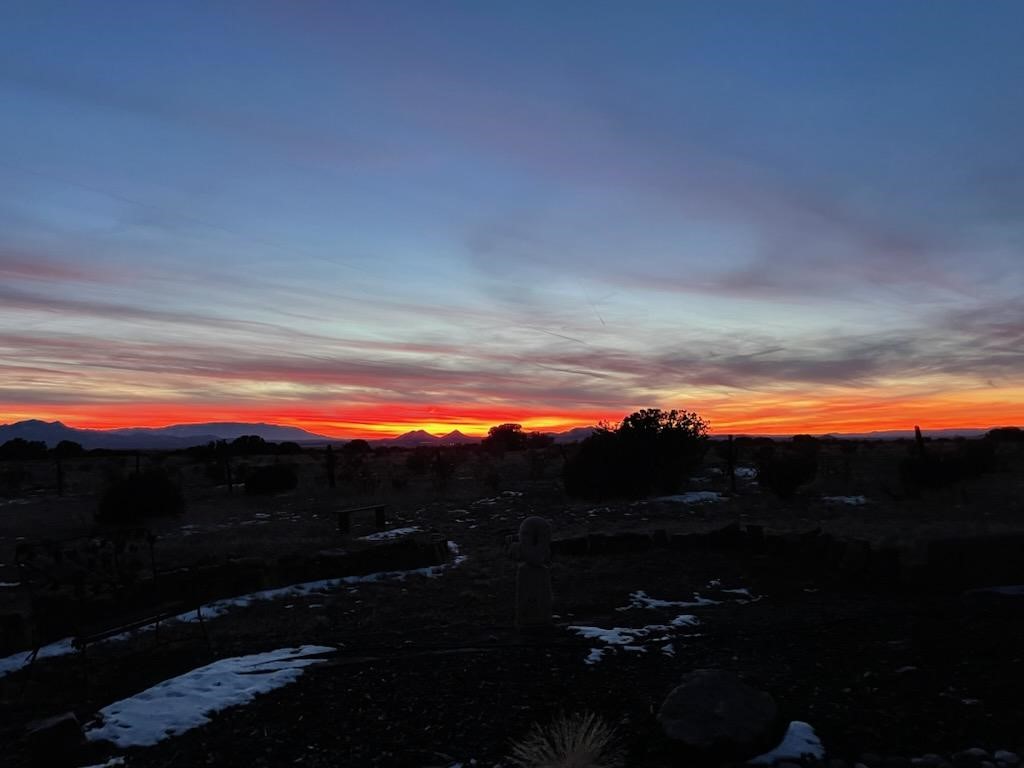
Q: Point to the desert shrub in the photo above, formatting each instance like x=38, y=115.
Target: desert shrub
x=271, y=478
x=152, y=493
x=943, y=467
x=20, y=449
x=783, y=470
x=250, y=445
x=288, y=448
x=68, y=449
x=577, y=741
x=650, y=451
x=1006, y=434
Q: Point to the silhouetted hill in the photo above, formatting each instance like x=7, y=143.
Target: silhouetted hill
x=147, y=438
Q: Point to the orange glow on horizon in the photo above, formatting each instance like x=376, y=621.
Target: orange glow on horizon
x=755, y=414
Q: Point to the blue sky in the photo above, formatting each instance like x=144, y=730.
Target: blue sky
x=761, y=211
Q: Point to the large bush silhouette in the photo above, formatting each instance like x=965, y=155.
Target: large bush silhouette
x=650, y=451
x=152, y=493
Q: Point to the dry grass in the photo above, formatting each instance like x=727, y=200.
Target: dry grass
x=583, y=740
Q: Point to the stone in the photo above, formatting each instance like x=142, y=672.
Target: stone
x=55, y=741
x=715, y=712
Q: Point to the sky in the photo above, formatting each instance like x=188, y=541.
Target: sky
x=365, y=218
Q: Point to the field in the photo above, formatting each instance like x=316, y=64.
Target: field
x=889, y=657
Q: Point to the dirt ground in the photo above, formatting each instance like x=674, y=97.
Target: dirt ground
x=429, y=671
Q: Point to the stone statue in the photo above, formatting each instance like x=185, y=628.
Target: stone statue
x=533, y=579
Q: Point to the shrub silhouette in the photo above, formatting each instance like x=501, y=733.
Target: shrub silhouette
x=783, y=470
x=20, y=449
x=941, y=467
x=271, y=478
x=650, y=451
x=250, y=445
x=152, y=493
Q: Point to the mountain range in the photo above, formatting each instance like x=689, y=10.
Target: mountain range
x=179, y=436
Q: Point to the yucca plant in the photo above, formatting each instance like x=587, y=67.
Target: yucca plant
x=583, y=740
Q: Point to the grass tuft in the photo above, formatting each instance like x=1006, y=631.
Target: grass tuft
x=583, y=740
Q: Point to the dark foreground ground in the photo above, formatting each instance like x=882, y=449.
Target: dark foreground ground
x=429, y=671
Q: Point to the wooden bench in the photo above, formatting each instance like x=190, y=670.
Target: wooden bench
x=345, y=517
x=96, y=587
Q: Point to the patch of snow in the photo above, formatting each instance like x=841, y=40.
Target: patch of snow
x=113, y=762
x=394, y=533
x=669, y=650
x=186, y=702
x=10, y=584
x=219, y=607
x=686, y=620
x=856, y=501
x=617, y=635
x=738, y=591
x=799, y=742
x=595, y=655
x=745, y=473
x=692, y=497
x=20, y=660
x=640, y=599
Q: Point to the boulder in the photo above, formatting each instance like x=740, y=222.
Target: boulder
x=717, y=714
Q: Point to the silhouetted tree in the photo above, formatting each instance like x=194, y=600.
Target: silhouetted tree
x=649, y=451
x=20, y=449
x=249, y=445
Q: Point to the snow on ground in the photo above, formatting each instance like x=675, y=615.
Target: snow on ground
x=14, y=662
x=745, y=473
x=685, y=620
x=640, y=599
x=623, y=637
x=20, y=660
x=185, y=702
x=394, y=533
x=10, y=584
x=855, y=501
x=799, y=742
x=692, y=497
x=219, y=607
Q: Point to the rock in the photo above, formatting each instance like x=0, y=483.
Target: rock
x=1006, y=757
x=716, y=713
x=55, y=741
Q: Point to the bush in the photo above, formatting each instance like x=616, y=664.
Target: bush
x=152, y=493
x=20, y=449
x=271, y=478
x=583, y=740
x=783, y=471
x=650, y=451
x=943, y=467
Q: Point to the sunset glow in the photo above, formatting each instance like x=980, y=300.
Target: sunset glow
x=363, y=222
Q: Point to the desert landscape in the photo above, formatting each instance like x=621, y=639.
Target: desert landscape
x=865, y=610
